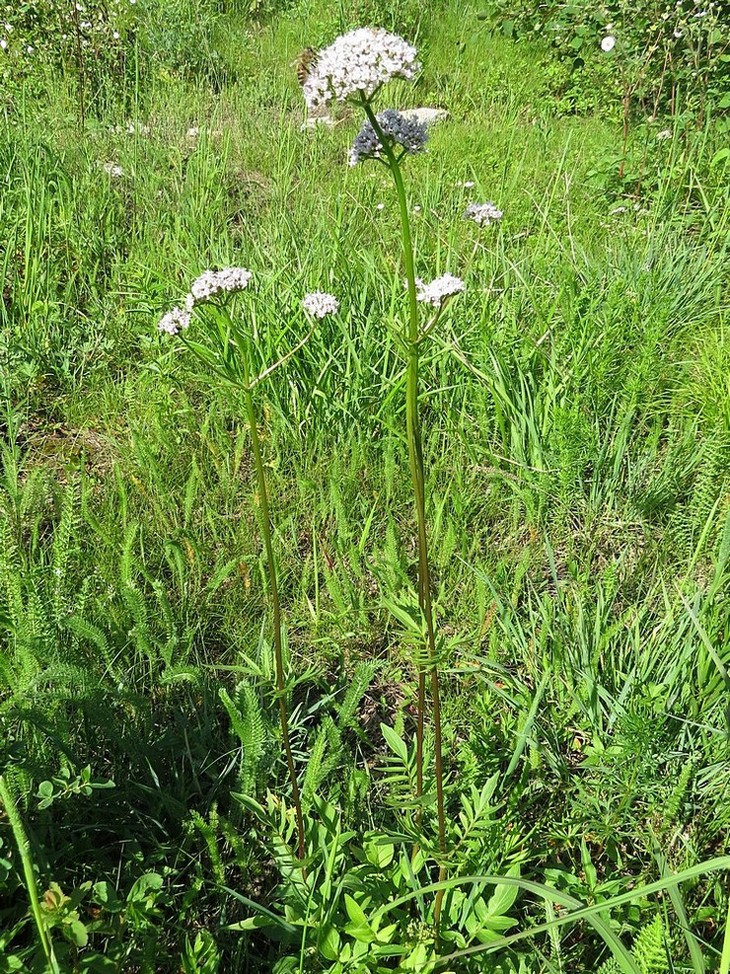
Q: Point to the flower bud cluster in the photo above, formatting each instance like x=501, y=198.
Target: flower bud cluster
x=398, y=130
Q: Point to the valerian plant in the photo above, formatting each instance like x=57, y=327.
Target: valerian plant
x=354, y=68
x=229, y=348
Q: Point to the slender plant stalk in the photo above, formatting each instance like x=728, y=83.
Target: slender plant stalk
x=23, y=844
x=725, y=957
x=415, y=456
x=274, y=589
x=80, y=66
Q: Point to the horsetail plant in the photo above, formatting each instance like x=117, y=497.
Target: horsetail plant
x=354, y=68
x=229, y=352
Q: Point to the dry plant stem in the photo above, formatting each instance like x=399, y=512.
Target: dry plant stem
x=273, y=585
x=21, y=840
x=80, y=66
x=415, y=455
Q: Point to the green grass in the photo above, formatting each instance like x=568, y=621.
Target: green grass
x=577, y=440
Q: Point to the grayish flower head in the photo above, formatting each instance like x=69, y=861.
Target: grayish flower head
x=212, y=283
x=319, y=304
x=174, y=321
x=399, y=130
x=483, y=213
x=438, y=290
x=359, y=63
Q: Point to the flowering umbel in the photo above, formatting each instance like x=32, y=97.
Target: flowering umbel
x=483, y=213
x=319, y=304
x=174, y=321
x=438, y=290
x=358, y=63
x=398, y=129
x=212, y=283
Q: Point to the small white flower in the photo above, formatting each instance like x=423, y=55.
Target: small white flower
x=358, y=63
x=416, y=209
x=193, y=132
x=438, y=290
x=616, y=210
x=174, y=321
x=319, y=304
x=483, y=213
x=113, y=169
x=664, y=134
x=469, y=184
x=115, y=35
x=3, y=44
x=380, y=206
x=211, y=283
x=608, y=43
x=30, y=49
x=678, y=33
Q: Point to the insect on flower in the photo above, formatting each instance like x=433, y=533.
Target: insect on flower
x=304, y=63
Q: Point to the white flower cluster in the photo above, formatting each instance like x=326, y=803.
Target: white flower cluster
x=113, y=169
x=408, y=133
x=174, y=321
x=359, y=62
x=438, y=290
x=483, y=213
x=319, y=304
x=608, y=43
x=211, y=283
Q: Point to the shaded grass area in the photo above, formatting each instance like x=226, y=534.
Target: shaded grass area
x=577, y=434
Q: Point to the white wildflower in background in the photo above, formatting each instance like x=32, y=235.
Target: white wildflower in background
x=400, y=131
x=483, y=213
x=174, y=321
x=380, y=206
x=664, y=134
x=3, y=44
x=359, y=63
x=193, y=132
x=438, y=290
x=212, y=283
x=469, y=184
x=608, y=43
x=319, y=304
x=113, y=169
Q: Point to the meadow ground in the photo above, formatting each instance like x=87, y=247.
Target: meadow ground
x=576, y=414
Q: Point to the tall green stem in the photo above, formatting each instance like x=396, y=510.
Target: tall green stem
x=274, y=589
x=415, y=457
x=21, y=840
